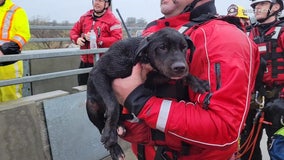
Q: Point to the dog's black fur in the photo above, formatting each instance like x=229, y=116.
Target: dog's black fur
x=165, y=50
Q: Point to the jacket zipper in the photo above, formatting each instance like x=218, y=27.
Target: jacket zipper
x=218, y=75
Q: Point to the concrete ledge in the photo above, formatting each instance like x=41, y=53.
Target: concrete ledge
x=79, y=89
x=31, y=99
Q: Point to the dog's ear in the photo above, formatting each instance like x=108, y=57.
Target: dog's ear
x=190, y=46
x=189, y=43
x=141, y=48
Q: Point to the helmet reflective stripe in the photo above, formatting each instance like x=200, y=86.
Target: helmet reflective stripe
x=7, y=21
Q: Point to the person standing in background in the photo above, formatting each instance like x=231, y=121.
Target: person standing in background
x=240, y=12
x=106, y=26
x=267, y=33
x=14, y=34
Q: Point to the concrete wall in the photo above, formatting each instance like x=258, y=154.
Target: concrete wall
x=23, y=133
x=50, y=126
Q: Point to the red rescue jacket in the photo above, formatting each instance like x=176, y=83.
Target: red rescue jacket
x=211, y=123
x=108, y=30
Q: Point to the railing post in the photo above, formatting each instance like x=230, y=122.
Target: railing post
x=27, y=87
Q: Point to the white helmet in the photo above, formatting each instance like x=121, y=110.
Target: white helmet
x=254, y=2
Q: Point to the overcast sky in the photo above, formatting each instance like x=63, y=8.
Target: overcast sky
x=71, y=10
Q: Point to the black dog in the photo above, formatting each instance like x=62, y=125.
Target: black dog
x=164, y=50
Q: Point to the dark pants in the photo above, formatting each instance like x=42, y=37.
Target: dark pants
x=83, y=78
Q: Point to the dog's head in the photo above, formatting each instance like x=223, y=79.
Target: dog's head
x=166, y=51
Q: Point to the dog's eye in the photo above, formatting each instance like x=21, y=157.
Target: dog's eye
x=163, y=47
x=183, y=46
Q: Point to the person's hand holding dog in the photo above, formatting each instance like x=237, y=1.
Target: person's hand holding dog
x=124, y=86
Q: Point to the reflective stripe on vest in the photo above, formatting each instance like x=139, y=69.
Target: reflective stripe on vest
x=276, y=31
x=7, y=26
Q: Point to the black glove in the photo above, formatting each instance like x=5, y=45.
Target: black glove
x=274, y=111
x=137, y=99
x=9, y=48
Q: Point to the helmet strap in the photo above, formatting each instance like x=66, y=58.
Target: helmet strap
x=98, y=13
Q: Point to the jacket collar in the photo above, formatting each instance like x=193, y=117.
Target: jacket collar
x=204, y=12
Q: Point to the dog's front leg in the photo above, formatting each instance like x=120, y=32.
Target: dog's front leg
x=109, y=137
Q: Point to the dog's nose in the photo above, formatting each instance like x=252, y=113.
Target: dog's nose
x=178, y=67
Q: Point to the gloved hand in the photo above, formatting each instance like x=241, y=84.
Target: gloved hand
x=274, y=112
x=9, y=48
x=275, y=107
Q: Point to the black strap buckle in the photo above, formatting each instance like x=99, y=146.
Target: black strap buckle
x=161, y=153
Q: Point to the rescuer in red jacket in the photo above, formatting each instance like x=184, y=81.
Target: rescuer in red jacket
x=199, y=126
x=268, y=34
x=106, y=26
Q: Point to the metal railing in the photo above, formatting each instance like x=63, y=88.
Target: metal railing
x=37, y=40
x=51, y=53
x=48, y=53
x=65, y=39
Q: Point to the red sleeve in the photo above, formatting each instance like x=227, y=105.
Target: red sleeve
x=76, y=31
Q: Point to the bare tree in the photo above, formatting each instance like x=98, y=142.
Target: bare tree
x=46, y=32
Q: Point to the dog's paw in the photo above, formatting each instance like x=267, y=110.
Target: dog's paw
x=116, y=152
x=109, y=137
x=204, y=86
x=196, y=84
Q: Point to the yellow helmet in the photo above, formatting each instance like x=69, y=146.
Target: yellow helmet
x=238, y=11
